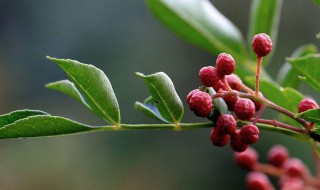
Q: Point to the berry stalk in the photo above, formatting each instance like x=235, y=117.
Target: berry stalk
x=258, y=75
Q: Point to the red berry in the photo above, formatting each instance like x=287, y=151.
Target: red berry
x=258, y=181
x=277, y=155
x=219, y=139
x=208, y=76
x=231, y=101
x=219, y=86
x=292, y=184
x=226, y=124
x=244, y=109
x=191, y=94
x=201, y=104
x=293, y=167
x=249, y=134
x=236, y=144
x=225, y=64
x=261, y=44
x=247, y=159
x=234, y=82
x=307, y=104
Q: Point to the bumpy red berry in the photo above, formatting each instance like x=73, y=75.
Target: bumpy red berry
x=236, y=143
x=209, y=76
x=226, y=124
x=231, y=101
x=234, y=82
x=247, y=159
x=244, y=109
x=249, y=134
x=294, y=167
x=225, y=64
x=261, y=44
x=218, y=138
x=191, y=94
x=220, y=86
x=291, y=183
x=201, y=104
x=277, y=155
x=307, y=104
x=258, y=181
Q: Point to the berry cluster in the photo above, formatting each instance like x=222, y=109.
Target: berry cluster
x=222, y=79
x=292, y=174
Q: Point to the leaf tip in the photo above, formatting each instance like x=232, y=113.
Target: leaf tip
x=140, y=74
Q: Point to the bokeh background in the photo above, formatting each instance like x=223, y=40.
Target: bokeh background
x=121, y=37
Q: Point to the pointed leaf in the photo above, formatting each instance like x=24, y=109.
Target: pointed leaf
x=288, y=76
x=309, y=67
x=165, y=96
x=17, y=115
x=312, y=115
x=95, y=87
x=42, y=125
x=68, y=88
x=150, y=109
x=200, y=23
x=317, y=2
x=264, y=18
x=311, y=83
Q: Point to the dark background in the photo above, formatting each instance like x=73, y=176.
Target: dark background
x=121, y=37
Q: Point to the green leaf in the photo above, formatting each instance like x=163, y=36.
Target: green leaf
x=17, y=115
x=317, y=2
x=312, y=115
x=288, y=76
x=165, y=96
x=218, y=102
x=42, y=125
x=68, y=88
x=264, y=18
x=311, y=83
x=95, y=87
x=149, y=108
x=200, y=23
x=309, y=67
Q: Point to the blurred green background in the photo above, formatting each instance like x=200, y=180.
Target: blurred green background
x=121, y=37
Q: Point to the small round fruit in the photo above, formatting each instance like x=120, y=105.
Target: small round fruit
x=209, y=76
x=307, y=104
x=219, y=139
x=191, y=93
x=234, y=82
x=220, y=86
x=294, y=167
x=236, y=143
x=244, y=109
x=249, y=134
x=277, y=155
x=226, y=124
x=262, y=44
x=247, y=159
x=225, y=64
x=201, y=104
x=231, y=101
x=258, y=181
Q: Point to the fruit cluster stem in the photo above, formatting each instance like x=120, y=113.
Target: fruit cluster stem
x=258, y=75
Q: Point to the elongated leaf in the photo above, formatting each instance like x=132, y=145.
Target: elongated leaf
x=42, y=125
x=309, y=67
x=95, y=87
x=312, y=115
x=311, y=83
x=264, y=18
x=149, y=108
x=200, y=23
x=288, y=76
x=165, y=96
x=68, y=88
x=17, y=115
